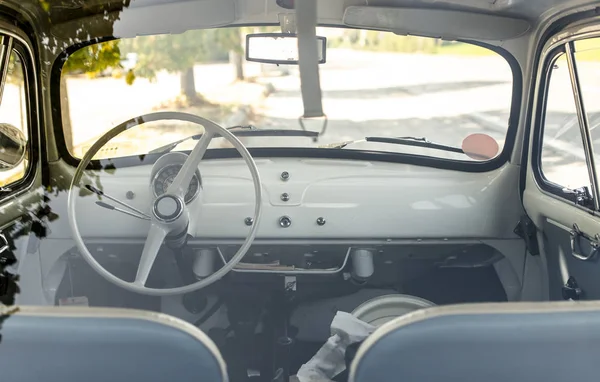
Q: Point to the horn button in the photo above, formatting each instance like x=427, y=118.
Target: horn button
x=167, y=208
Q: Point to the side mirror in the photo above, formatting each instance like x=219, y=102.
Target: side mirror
x=278, y=48
x=13, y=146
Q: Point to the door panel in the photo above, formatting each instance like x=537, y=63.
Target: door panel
x=561, y=192
x=562, y=266
x=554, y=219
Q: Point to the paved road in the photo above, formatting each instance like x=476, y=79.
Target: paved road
x=444, y=99
x=364, y=93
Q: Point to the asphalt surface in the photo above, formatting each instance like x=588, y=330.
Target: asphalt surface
x=441, y=98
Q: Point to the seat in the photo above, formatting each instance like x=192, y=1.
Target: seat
x=508, y=342
x=75, y=344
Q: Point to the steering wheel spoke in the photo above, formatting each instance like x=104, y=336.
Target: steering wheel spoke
x=185, y=174
x=156, y=236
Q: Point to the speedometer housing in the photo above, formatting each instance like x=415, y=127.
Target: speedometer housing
x=164, y=171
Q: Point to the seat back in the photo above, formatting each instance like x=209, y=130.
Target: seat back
x=505, y=342
x=62, y=344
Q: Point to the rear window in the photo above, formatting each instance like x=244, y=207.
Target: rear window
x=375, y=84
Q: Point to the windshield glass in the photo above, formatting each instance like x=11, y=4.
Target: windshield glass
x=375, y=84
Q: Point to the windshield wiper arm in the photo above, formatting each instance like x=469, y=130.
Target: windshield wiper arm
x=407, y=141
x=242, y=131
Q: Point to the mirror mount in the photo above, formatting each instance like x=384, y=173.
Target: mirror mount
x=287, y=21
x=279, y=48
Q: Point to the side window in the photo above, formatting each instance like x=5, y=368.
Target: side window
x=563, y=158
x=587, y=56
x=13, y=111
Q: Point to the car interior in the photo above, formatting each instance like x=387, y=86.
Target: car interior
x=415, y=199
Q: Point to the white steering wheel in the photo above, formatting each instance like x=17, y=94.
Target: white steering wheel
x=169, y=212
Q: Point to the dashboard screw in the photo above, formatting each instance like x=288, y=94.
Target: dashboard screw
x=248, y=221
x=285, y=196
x=285, y=221
x=285, y=175
x=130, y=195
x=321, y=221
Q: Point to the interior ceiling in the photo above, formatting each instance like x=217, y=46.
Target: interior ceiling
x=266, y=10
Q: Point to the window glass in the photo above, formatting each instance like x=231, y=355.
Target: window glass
x=563, y=155
x=375, y=84
x=587, y=55
x=13, y=111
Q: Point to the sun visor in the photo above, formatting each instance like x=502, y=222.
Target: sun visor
x=446, y=24
x=145, y=17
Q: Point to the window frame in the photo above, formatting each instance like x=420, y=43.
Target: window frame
x=549, y=57
x=500, y=160
x=23, y=50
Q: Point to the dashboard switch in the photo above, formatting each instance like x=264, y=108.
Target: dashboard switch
x=321, y=221
x=285, y=196
x=285, y=221
x=285, y=176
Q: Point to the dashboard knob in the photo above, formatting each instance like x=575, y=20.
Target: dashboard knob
x=321, y=221
x=285, y=221
x=285, y=176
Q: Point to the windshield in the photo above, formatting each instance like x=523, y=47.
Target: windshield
x=375, y=84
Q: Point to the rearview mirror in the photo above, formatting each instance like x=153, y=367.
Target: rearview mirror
x=13, y=145
x=278, y=48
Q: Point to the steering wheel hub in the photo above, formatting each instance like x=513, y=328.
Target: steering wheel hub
x=167, y=208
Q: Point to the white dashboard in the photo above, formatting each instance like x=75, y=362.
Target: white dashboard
x=322, y=198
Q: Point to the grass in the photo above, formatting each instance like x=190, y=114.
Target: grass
x=588, y=50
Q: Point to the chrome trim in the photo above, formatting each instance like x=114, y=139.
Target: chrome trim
x=583, y=121
x=285, y=221
x=3, y=243
x=575, y=235
x=196, y=177
x=179, y=211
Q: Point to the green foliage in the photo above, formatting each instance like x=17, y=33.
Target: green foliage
x=94, y=58
x=383, y=42
x=177, y=53
x=15, y=69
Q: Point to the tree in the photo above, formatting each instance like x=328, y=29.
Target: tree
x=232, y=39
x=179, y=53
x=90, y=60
